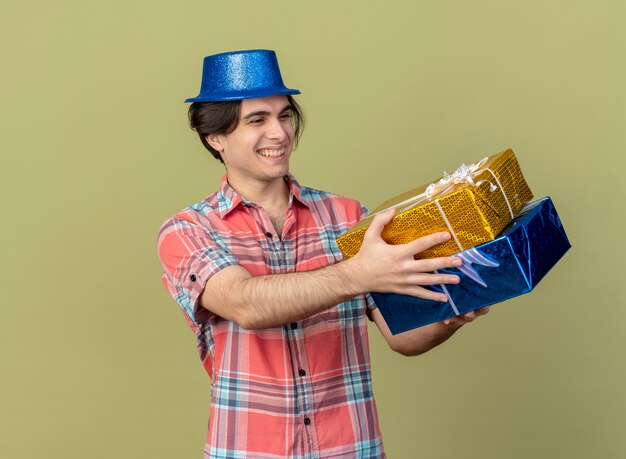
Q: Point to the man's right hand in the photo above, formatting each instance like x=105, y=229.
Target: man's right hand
x=386, y=268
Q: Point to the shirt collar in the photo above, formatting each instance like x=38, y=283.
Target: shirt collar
x=228, y=199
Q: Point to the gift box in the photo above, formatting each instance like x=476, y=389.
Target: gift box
x=474, y=204
x=509, y=266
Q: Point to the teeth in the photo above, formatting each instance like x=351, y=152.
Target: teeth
x=269, y=153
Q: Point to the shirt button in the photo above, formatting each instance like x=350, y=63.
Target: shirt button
x=268, y=234
x=301, y=372
x=307, y=421
x=294, y=326
x=193, y=278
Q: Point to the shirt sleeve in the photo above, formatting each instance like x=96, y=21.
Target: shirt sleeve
x=364, y=212
x=371, y=305
x=190, y=256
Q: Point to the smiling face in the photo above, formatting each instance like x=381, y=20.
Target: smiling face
x=258, y=149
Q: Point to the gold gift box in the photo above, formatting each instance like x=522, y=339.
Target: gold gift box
x=472, y=200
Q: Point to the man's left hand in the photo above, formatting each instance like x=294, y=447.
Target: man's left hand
x=462, y=319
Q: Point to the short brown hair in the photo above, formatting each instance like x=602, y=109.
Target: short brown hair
x=208, y=118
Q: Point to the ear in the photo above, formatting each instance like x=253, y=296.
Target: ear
x=215, y=140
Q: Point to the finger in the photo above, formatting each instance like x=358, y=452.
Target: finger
x=473, y=315
x=454, y=321
x=426, y=242
x=433, y=279
x=424, y=293
x=433, y=264
x=378, y=224
x=469, y=316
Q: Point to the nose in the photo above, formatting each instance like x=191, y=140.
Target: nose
x=277, y=130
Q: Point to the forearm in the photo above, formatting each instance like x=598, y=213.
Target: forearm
x=423, y=339
x=266, y=301
x=273, y=300
x=418, y=340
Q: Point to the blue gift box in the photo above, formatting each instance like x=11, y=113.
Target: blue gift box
x=509, y=266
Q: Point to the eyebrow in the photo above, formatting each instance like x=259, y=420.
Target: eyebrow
x=265, y=113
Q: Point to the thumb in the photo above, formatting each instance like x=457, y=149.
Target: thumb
x=378, y=224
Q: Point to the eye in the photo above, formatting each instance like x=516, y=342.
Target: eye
x=285, y=116
x=255, y=121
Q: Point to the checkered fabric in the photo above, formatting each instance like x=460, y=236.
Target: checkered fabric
x=302, y=390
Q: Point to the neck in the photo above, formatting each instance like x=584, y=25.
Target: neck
x=272, y=195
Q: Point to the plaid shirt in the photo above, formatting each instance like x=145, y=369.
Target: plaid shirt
x=302, y=390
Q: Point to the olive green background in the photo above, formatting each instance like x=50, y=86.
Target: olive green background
x=97, y=361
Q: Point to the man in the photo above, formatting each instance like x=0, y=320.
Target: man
x=280, y=318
